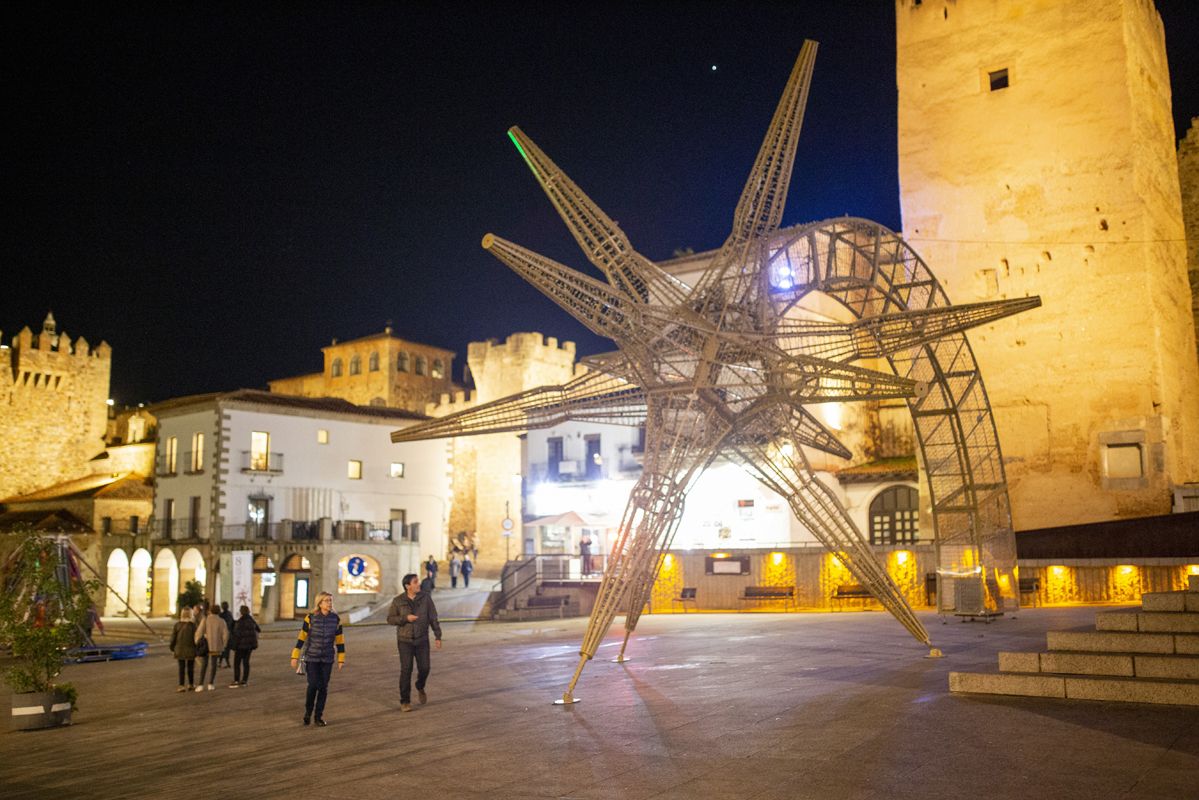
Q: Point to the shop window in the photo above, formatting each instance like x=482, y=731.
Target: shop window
x=358, y=574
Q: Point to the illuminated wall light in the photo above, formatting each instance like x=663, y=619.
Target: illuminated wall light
x=1193, y=569
x=668, y=561
x=776, y=558
x=902, y=556
x=1125, y=569
x=720, y=555
x=1057, y=570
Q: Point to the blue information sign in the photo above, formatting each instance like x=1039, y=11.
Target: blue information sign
x=356, y=565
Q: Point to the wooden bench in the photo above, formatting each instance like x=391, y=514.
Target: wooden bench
x=1031, y=586
x=850, y=591
x=538, y=603
x=757, y=594
x=687, y=595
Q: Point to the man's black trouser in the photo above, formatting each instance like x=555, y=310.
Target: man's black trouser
x=408, y=651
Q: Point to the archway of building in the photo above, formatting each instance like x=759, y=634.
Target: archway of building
x=116, y=575
x=165, y=589
x=870, y=271
x=264, y=577
x=295, y=587
x=191, y=568
x=140, y=581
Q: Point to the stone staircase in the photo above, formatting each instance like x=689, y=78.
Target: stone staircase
x=1146, y=655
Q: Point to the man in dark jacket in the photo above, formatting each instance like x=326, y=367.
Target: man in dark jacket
x=413, y=614
x=227, y=615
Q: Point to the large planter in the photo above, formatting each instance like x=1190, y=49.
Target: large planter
x=37, y=710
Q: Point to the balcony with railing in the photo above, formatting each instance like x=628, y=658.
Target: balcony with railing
x=259, y=462
x=174, y=528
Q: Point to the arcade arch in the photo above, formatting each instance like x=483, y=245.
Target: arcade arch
x=140, y=581
x=295, y=587
x=165, y=585
x=192, y=568
x=264, y=576
x=117, y=578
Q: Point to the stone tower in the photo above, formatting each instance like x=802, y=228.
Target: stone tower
x=1188, y=178
x=1036, y=156
x=53, y=408
x=486, y=469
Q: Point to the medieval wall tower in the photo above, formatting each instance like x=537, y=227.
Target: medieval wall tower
x=53, y=408
x=1036, y=156
x=1188, y=179
x=486, y=469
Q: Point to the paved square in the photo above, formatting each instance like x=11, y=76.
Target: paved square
x=807, y=705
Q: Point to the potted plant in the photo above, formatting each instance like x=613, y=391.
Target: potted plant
x=44, y=604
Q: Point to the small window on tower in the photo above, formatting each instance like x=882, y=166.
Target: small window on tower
x=997, y=79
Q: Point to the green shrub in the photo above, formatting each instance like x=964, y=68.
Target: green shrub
x=43, y=610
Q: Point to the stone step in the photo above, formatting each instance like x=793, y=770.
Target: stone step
x=1128, y=665
x=1171, y=601
x=1148, y=621
x=1075, y=687
x=1124, y=642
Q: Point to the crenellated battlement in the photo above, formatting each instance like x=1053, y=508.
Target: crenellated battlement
x=54, y=393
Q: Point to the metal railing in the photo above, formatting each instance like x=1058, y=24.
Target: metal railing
x=261, y=462
x=353, y=530
x=527, y=572
x=178, y=527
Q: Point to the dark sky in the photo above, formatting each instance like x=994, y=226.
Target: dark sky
x=218, y=190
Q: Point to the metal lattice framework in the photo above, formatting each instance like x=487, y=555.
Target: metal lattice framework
x=726, y=369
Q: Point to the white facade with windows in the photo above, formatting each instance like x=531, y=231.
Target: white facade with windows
x=313, y=487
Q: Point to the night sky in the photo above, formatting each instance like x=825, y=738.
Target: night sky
x=220, y=190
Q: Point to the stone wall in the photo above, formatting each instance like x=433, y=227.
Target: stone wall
x=486, y=469
x=53, y=408
x=1036, y=157
x=382, y=377
x=1188, y=179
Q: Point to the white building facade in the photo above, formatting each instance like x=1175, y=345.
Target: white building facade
x=313, y=488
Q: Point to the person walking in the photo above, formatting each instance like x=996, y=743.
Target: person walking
x=228, y=617
x=183, y=647
x=213, y=631
x=431, y=571
x=244, y=641
x=585, y=553
x=455, y=569
x=467, y=568
x=323, y=643
x=413, y=614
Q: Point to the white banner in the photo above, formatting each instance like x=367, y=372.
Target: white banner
x=243, y=580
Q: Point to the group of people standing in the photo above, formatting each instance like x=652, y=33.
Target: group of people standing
x=461, y=566
x=211, y=633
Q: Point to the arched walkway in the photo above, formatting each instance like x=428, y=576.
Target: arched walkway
x=140, y=581
x=116, y=575
x=165, y=594
x=295, y=587
x=191, y=568
x=264, y=576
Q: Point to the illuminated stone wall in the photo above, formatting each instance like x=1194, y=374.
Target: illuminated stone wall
x=1188, y=179
x=53, y=408
x=486, y=470
x=387, y=384
x=1058, y=178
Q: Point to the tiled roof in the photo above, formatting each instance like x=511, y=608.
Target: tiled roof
x=902, y=468
x=332, y=405
x=49, y=521
x=125, y=484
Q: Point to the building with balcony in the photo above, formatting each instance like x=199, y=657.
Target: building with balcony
x=313, y=488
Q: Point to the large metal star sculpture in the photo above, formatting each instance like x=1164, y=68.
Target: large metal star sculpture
x=718, y=369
